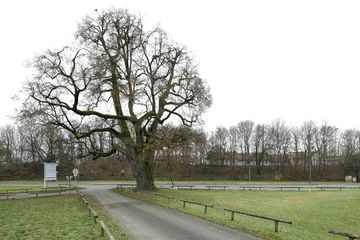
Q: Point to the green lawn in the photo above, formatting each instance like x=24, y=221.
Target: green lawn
x=313, y=213
x=58, y=217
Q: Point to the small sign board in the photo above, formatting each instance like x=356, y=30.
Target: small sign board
x=50, y=171
x=75, y=172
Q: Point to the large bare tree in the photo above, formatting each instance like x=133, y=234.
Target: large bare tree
x=127, y=80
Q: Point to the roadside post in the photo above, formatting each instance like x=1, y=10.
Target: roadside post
x=69, y=180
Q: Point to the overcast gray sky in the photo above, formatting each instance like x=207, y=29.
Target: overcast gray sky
x=294, y=60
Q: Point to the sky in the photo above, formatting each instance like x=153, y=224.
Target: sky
x=263, y=60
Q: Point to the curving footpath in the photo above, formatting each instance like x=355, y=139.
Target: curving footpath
x=145, y=221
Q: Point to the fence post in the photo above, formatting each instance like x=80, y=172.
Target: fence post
x=205, y=209
x=276, y=226
x=102, y=231
x=232, y=216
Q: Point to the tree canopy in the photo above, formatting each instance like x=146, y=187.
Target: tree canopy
x=120, y=80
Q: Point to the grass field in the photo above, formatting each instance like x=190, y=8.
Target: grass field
x=313, y=213
x=59, y=217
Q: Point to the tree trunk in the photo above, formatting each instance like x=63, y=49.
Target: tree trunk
x=258, y=170
x=357, y=171
x=258, y=165
x=143, y=166
x=144, y=177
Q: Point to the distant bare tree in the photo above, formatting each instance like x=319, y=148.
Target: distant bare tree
x=233, y=143
x=31, y=136
x=130, y=80
x=262, y=142
x=281, y=138
x=221, y=137
x=8, y=140
x=308, y=139
x=351, y=149
x=245, y=131
x=325, y=138
x=295, y=133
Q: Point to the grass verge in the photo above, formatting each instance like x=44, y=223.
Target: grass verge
x=58, y=217
x=313, y=213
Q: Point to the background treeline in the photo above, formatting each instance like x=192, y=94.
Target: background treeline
x=246, y=151
x=277, y=151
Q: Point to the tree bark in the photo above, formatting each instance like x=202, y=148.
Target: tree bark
x=142, y=162
x=144, y=177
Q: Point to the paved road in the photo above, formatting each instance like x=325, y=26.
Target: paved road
x=147, y=221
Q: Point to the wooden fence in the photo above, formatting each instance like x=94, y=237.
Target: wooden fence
x=103, y=227
x=30, y=191
x=350, y=236
x=276, y=220
x=206, y=206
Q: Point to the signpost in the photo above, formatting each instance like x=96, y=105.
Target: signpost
x=49, y=172
x=76, y=175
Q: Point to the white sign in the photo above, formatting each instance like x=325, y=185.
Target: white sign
x=50, y=171
x=75, y=172
x=348, y=178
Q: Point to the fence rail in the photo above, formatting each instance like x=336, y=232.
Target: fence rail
x=15, y=190
x=276, y=220
x=125, y=185
x=185, y=186
x=345, y=234
x=46, y=192
x=216, y=187
x=92, y=212
x=206, y=206
x=7, y=195
x=104, y=230
x=163, y=196
x=262, y=187
x=323, y=188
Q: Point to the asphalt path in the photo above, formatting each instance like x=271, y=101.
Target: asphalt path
x=147, y=221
